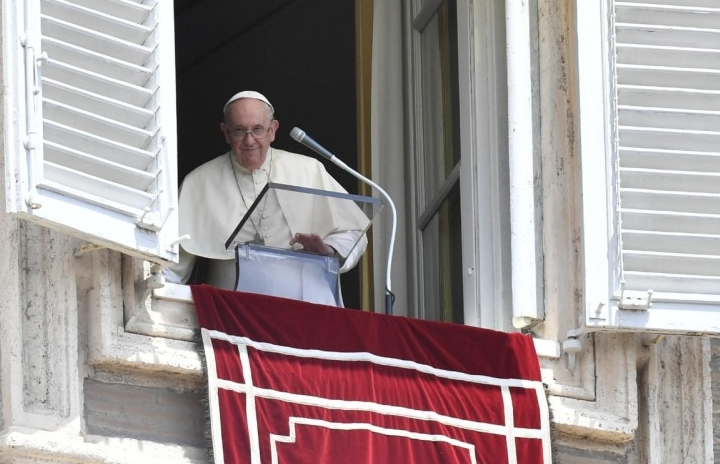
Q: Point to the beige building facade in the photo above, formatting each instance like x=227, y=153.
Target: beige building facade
x=555, y=170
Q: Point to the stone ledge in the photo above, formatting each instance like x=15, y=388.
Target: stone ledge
x=25, y=445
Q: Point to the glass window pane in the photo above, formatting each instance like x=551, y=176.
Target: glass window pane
x=442, y=262
x=439, y=98
x=432, y=119
x=438, y=111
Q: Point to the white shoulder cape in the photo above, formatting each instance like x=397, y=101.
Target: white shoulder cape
x=210, y=206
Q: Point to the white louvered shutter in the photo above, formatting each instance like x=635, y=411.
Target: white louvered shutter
x=664, y=264
x=93, y=148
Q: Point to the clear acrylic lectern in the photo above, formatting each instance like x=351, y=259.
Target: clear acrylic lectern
x=267, y=264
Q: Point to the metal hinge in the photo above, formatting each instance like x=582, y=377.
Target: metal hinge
x=150, y=220
x=635, y=301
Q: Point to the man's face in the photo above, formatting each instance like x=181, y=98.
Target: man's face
x=242, y=116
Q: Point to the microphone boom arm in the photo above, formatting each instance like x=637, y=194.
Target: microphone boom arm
x=300, y=136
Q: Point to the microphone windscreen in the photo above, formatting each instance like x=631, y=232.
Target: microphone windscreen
x=297, y=134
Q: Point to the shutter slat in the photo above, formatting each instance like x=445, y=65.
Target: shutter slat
x=687, y=244
x=668, y=118
x=668, y=139
x=96, y=124
x=99, y=104
x=669, y=159
x=685, y=286
x=96, y=62
x=128, y=10
x=96, y=20
x=671, y=181
x=672, y=3
x=99, y=167
x=679, y=202
x=672, y=263
x=667, y=220
x=678, y=98
x=80, y=36
x=658, y=76
x=97, y=83
x=668, y=15
x=689, y=58
x=668, y=36
x=109, y=149
x=62, y=179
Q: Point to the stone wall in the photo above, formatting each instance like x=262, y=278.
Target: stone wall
x=715, y=391
x=159, y=414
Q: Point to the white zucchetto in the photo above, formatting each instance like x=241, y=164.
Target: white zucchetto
x=249, y=94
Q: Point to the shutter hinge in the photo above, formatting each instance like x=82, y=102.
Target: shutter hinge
x=150, y=220
x=33, y=78
x=635, y=301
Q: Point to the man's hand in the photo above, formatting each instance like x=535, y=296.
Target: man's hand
x=313, y=243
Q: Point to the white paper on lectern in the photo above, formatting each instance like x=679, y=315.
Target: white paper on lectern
x=288, y=274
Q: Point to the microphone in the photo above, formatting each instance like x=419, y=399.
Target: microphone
x=299, y=135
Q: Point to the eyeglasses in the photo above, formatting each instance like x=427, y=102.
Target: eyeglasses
x=257, y=132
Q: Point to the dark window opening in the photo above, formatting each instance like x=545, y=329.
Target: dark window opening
x=299, y=53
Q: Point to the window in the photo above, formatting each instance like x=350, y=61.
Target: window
x=457, y=145
x=658, y=121
x=438, y=213
x=90, y=120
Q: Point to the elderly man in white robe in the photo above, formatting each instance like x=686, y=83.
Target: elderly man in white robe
x=216, y=195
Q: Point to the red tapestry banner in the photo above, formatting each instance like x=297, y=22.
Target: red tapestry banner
x=294, y=382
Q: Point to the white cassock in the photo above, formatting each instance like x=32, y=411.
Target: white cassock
x=215, y=197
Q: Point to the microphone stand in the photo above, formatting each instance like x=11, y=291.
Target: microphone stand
x=300, y=136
